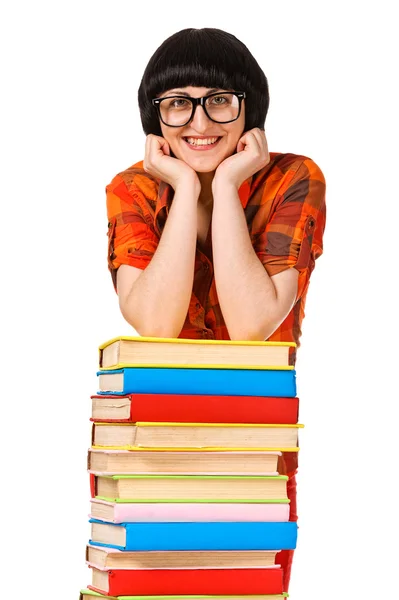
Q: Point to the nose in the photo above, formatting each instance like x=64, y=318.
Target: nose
x=200, y=121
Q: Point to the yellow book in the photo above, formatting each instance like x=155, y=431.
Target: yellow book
x=272, y=437
x=128, y=351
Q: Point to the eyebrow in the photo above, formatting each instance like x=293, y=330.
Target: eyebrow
x=181, y=93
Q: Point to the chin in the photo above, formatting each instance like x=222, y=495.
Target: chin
x=203, y=164
x=206, y=167
x=210, y=169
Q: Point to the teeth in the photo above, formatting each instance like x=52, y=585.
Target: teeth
x=201, y=142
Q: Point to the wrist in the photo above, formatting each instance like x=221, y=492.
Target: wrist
x=189, y=183
x=221, y=184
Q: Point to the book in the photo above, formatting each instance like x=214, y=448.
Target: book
x=272, y=437
x=234, y=382
x=190, y=408
x=103, y=557
x=188, y=581
x=157, y=462
x=194, y=488
x=195, y=536
x=151, y=351
x=116, y=512
x=87, y=594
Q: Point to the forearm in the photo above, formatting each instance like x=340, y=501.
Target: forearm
x=158, y=302
x=246, y=293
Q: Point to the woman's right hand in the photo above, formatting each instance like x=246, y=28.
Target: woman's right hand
x=159, y=163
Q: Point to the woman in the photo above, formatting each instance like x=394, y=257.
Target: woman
x=211, y=236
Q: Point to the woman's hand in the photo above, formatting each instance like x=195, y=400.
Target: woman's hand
x=159, y=163
x=252, y=155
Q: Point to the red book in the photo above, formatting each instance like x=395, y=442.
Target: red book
x=186, y=408
x=163, y=582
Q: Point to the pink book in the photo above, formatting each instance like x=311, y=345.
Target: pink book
x=115, y=512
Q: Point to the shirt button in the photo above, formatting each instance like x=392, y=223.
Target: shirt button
x=206, y=267
x=198, y=306
x=204, y=333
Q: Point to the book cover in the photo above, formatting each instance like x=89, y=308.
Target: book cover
x=121, y=512
x=197, y=536
x=236, y=382
x=150, y=351
x=188, y=408
x=188, y=581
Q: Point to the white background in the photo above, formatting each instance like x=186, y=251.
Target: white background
x=69, y=123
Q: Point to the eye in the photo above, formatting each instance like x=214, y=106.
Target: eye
x=177, y=103
x=219, y=100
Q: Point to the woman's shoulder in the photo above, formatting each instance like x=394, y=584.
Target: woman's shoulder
x=135, y=178
x=288, y=175
x=288, y=164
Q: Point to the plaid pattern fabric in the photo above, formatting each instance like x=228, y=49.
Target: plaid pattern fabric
x=284, y=205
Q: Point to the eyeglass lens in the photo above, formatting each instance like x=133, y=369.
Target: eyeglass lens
x=221, y=108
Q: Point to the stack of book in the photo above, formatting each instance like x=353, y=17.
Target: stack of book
x=186, y=495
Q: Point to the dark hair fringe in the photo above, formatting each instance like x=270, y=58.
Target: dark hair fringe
x=205, y=57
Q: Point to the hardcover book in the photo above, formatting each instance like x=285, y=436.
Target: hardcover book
x=103, y=557
x=87, y=594
x=158, y=462
x=235, y=382
x=188, y=581
x=193, y=408
x=195, y=536
x=128, y=350
x=128, y=512
x=271, y=437
x=194, y=488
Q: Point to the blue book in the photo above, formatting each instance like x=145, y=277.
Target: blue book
x=216, y=535
x=234, y=382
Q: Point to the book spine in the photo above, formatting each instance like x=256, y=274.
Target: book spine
x=92, y=482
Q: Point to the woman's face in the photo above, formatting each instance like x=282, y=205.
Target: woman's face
x=203, y=159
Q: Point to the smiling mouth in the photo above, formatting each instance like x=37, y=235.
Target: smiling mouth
x=201, y=145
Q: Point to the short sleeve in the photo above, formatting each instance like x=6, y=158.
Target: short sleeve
x=294, y=232
x=131, y=239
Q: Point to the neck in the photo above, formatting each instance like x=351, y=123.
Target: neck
x=206, y=197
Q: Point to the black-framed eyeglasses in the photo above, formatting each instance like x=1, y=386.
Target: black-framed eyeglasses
x=220, y=107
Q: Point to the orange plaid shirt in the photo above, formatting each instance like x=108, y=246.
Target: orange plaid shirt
x=284, y=206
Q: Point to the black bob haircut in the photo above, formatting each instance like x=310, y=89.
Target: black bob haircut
x=205, y=57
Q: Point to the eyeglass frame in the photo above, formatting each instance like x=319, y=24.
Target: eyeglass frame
x=199, y=102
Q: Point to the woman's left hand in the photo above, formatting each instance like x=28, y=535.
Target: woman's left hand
x=252, y=155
